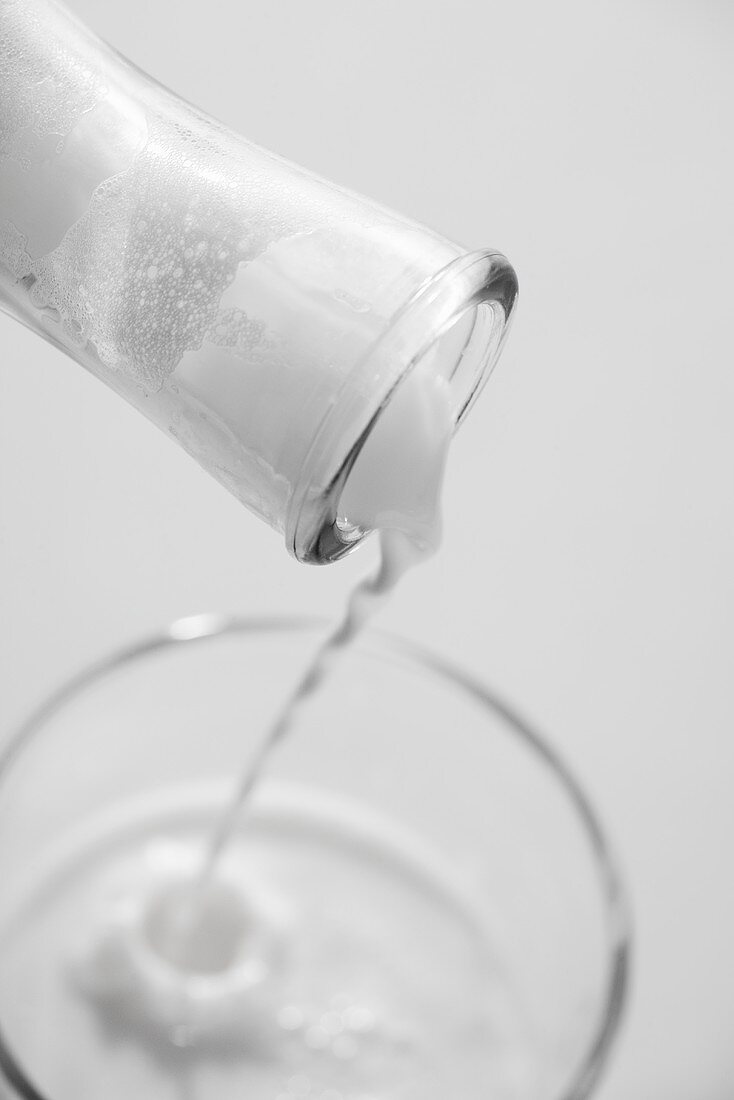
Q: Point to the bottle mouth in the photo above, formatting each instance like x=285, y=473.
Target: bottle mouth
x=462, y=315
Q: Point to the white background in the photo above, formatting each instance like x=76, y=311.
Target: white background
x=587, y=565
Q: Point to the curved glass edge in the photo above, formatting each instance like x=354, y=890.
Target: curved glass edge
x=200, y=628
x=313, y=533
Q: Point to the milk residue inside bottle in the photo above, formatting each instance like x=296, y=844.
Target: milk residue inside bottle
x=287, y=949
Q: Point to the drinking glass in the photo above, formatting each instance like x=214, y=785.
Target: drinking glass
x=433, y=908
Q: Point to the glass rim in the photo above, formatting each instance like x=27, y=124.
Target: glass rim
x=206, y=627
x=484, y=277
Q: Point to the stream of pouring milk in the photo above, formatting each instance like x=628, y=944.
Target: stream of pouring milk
x=394, y=489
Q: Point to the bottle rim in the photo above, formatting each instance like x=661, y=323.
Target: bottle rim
x=481, y=284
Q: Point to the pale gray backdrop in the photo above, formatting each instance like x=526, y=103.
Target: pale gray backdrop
x=587, y=566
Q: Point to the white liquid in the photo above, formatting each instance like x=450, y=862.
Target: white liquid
x=360, y=970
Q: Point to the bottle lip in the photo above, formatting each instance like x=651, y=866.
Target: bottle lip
x=483, y=278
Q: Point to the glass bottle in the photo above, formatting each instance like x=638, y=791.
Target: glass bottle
x=260, y=315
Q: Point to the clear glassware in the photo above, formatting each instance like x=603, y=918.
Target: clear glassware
x=261, y=316
x=460, y=928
